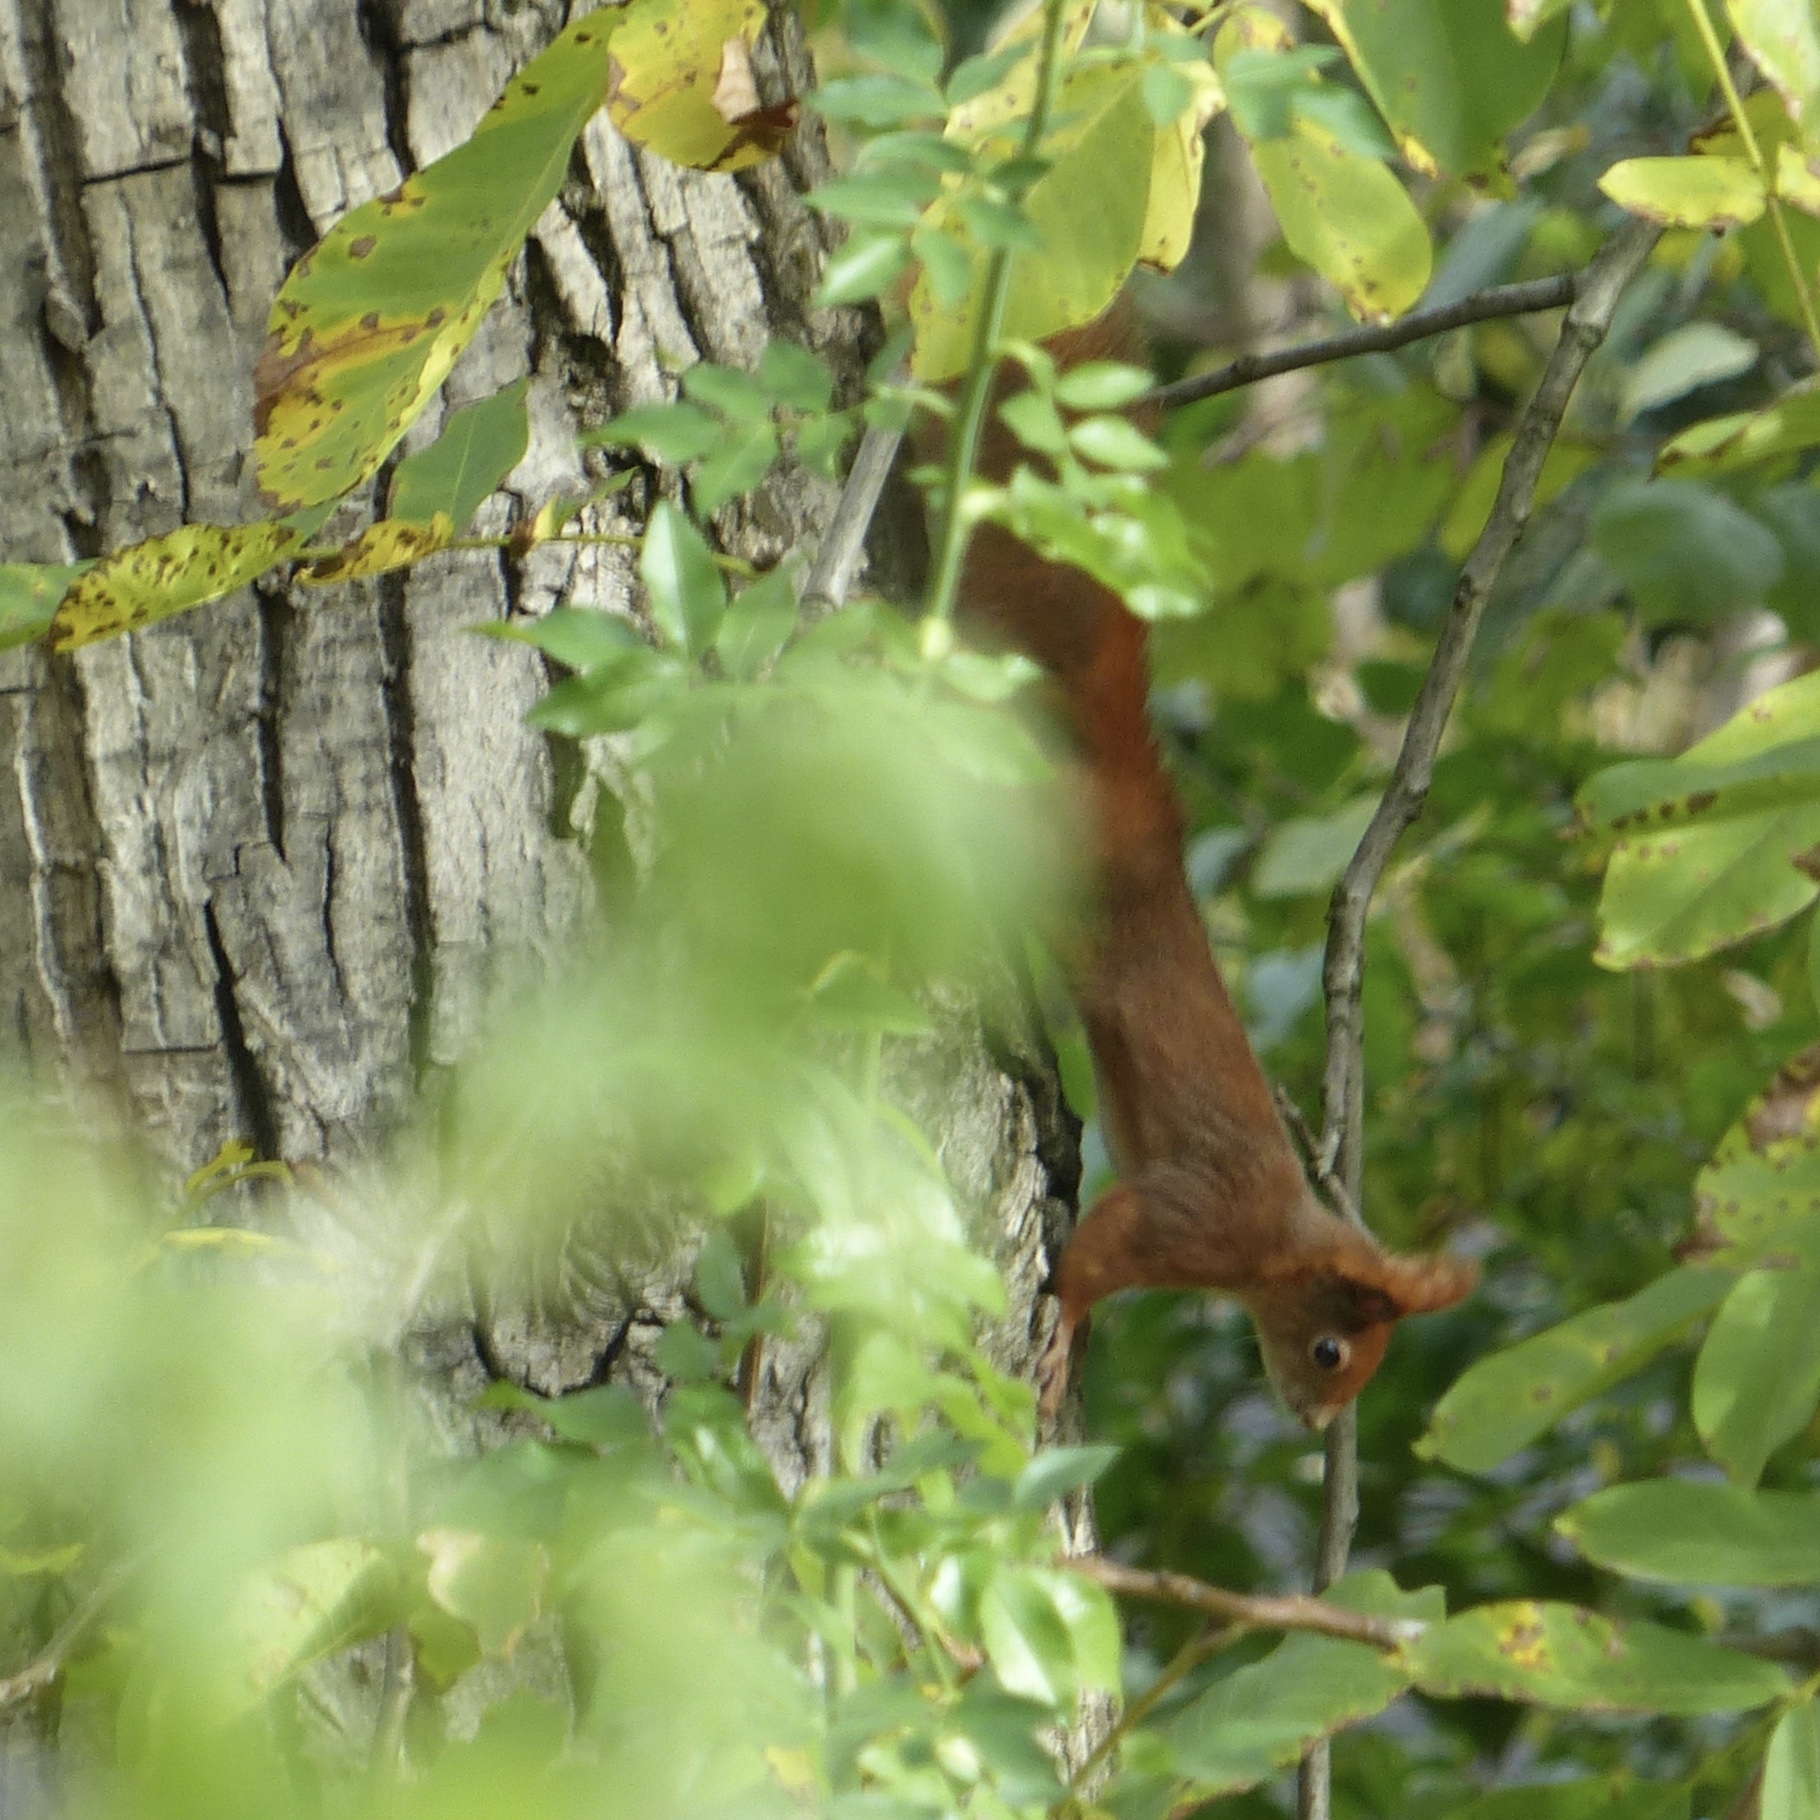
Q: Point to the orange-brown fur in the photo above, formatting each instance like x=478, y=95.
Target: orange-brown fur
x=1211, y=1194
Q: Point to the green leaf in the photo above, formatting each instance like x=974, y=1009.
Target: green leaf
x=1713, y=877
x=1696, y=1533
x=146, y=582
x=672, y=433
x=1028, y=1636
x=1308, y=855
x=309, y=1603
x=737, y=466
x=1791, y=1770
x=1684, y=551
x=1449, y=75
x=867, y=265
x=1685, y=359
x=793, y=376
x=1102, y=385
x=1784, y=38
x=1260, y=1719
x=683, y=584
x=893, y=197
x=757, y=625
x=580, y=638
x=1758, y=1197
x=495, y=1584
x=878, y=100
x=738, y=396
x=368, y=324
x=1503, y=1402
x=1596, y=1798
x=29, y=593
x=1757, y=1380
x=1056, y=1471
x=1565, y=1656
x=1722, y=445
x=478, y=448
x=1077, y=219
x=1111, y=442
x=1696, y=192
x=613, y=697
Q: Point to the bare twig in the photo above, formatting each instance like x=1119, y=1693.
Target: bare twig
x=1319, y=1163
x=844, y=541
x=1502, y=300
x=1596, y=293
x=48, y=1665
x=1212, y=1638
x=1294, y=1611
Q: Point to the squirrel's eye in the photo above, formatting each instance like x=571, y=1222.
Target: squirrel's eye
x=1328, y=1353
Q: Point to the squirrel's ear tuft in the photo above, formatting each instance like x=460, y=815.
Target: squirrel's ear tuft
x=1399, y=1286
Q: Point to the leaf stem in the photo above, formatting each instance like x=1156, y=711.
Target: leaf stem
x=976, y=397
x=1715, y=53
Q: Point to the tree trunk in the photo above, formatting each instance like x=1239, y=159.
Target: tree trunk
x=263, y=867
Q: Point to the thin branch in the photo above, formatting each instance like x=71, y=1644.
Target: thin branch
x=1502, y=300
x=1294, y=1611
x=844, y=542
x=48, y=1665
x=1596, y=294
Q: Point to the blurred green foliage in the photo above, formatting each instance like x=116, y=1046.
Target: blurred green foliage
x=245, y=1569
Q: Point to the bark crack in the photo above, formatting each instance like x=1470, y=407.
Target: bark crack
x=401, y=739
x=250, y=1086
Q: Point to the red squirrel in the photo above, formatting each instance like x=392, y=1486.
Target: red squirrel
x=1210, y=1195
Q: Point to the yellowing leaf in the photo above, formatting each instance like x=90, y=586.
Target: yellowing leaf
x=150, y=581
x=670, y=58
x=1450, y=76
x=1784, y=38
x=1342, y=212
x=1175, y=170
x=1796, y=179
x=368, y=324
x=1696, y=192
x=390, y=544
x=1085, y=210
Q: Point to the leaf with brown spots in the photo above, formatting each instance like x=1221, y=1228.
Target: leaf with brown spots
x=146, y=582
x=671, y=82
x=1563, y=1656
x=1713, y=847
x=1505, y=1401
x=1341, y=211
x=1757, y=1200
x=369, y=323
x=390, y=544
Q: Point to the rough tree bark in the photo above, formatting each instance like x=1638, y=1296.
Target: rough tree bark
x=262, y=867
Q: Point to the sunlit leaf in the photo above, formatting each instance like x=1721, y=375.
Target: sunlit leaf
x=146, y=582
x=1698, y=192
x=309, y=1603
x=1694, y=355
x=1347, y=216
x=493, y=1583
x=668, y=58
x=380, y=548
x=685, y=589
x=368, y=323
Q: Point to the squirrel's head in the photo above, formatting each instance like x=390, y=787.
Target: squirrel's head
x=1323, y=1325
